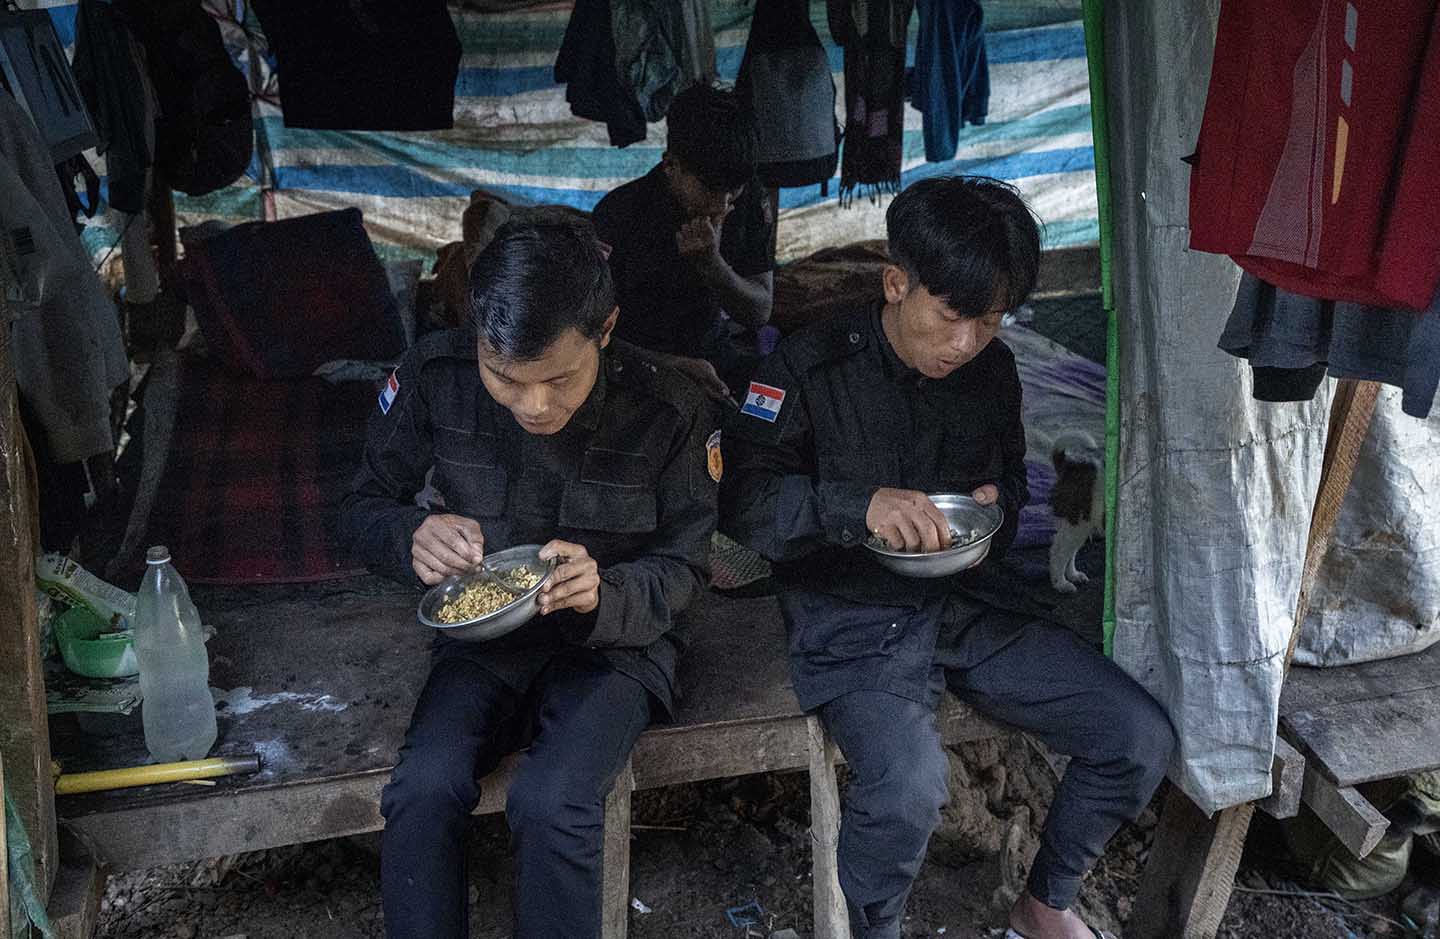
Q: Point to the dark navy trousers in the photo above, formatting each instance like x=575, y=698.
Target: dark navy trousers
x=1037, y=677
x=579, y=720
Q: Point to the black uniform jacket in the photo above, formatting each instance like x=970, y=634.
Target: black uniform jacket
x=627, y=478
x=853, y=418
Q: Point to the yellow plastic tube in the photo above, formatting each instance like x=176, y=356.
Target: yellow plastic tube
x=71, y=783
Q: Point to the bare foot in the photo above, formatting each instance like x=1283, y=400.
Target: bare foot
x=1034, y=920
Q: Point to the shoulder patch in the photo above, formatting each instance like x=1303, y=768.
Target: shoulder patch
x=388, y=393
x=763, y=401
x=714, y=461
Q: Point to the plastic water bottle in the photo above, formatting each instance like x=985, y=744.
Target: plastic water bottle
x=177, y=710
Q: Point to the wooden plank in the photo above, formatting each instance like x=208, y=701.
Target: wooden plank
x=1378, y=738
x=615, y=893
x=1287, y=779
x=1309, y=689
x=74, y=907
x=24, y=726
x=1357, y=823
x=831, y=916
x=1191, y=871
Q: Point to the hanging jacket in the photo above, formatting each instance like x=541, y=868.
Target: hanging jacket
x=66, y=344
x=661, y=49
x=785, y=77
x=950, y=85
x=586, y=64
x=110, y=70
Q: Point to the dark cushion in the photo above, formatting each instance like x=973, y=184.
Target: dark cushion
x=278, y=299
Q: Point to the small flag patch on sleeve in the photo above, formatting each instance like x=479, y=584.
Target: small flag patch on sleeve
x=763, y=401
x=388, y=393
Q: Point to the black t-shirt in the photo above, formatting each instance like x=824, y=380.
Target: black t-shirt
x=664, y=305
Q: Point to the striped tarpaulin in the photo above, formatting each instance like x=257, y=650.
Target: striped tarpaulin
x=514, y=134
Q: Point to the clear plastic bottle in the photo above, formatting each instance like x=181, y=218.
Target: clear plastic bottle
x=177, y=709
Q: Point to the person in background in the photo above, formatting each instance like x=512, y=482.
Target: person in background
x=693, y=244
x=533, y=426
x=847, y=427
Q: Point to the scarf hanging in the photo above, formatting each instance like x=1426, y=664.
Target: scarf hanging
x=873, y=34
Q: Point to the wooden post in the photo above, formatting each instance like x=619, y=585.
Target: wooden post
x=615, y=890
x=1348, y=814
x=1287, y=777
x=74, y=907
x=831, y=918
x=24, y=722
x=1191, y=872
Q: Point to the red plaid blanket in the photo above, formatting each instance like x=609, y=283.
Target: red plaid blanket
x=255, y=475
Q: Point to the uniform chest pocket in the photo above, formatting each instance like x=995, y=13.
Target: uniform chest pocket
x=468, y=476
x=970, y=455
x=607, y=508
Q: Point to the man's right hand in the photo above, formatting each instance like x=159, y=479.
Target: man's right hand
x=907, y=520
x=445, y=545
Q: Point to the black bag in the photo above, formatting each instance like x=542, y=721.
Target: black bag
x=785, y=78
x=204, y=136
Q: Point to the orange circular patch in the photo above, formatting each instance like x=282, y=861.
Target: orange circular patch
x=713, y=459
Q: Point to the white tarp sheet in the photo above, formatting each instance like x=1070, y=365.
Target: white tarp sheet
x=1215, y=489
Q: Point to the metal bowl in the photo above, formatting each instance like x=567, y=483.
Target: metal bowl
x=964, y=514
x=508, y=618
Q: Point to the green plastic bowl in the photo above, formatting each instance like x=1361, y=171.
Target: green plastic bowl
x=90, y=648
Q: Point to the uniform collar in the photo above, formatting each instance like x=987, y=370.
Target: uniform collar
x=587, y=416
x=895, y=367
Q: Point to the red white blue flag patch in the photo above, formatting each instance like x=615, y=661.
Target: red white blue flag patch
x=388, y=393
x=763, y=401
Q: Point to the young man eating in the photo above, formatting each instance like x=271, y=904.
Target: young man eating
x=533, y=427
x=848, y=426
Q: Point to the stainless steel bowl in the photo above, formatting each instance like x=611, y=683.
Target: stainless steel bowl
x=964, y=514
x=508, y=618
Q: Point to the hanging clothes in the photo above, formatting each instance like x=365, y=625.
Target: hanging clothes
x=110, y=69
x=661, y=49
x=364, y=65
x=66, y=344
x=1292, y=342
x=586, y=64
x=785, y=77
x=950, y=84
x=874, y=36
x=1318, y=161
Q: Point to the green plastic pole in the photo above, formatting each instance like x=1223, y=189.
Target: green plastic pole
x=1095, y=56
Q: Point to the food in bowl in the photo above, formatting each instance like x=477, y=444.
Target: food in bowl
x=958, y=539
x=483, y=597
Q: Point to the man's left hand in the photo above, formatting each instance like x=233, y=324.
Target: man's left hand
x=699, y=240
x=987, y=494
x=575, y=585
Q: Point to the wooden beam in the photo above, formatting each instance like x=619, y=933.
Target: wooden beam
x=1191, y=871
x=1287, y=779
x=1187, y=882
x=831, y=918
x=24, y=721
x=74, y=907
x=1357, y=823
x=615, y=892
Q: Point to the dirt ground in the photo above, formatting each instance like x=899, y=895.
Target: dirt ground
x=700, y=850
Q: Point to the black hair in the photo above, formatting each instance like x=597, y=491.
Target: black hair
x=543, y=273
x=970, y=240
x=712, y=134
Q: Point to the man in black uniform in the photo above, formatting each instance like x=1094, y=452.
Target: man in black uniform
x=535, y=428
x=693, y=237
x=846, y=428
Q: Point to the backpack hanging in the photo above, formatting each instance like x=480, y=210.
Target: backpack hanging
x=785, y=77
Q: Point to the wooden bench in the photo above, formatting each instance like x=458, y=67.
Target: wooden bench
x=347, y=669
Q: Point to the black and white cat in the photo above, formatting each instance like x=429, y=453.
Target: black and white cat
x=1078, y=502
